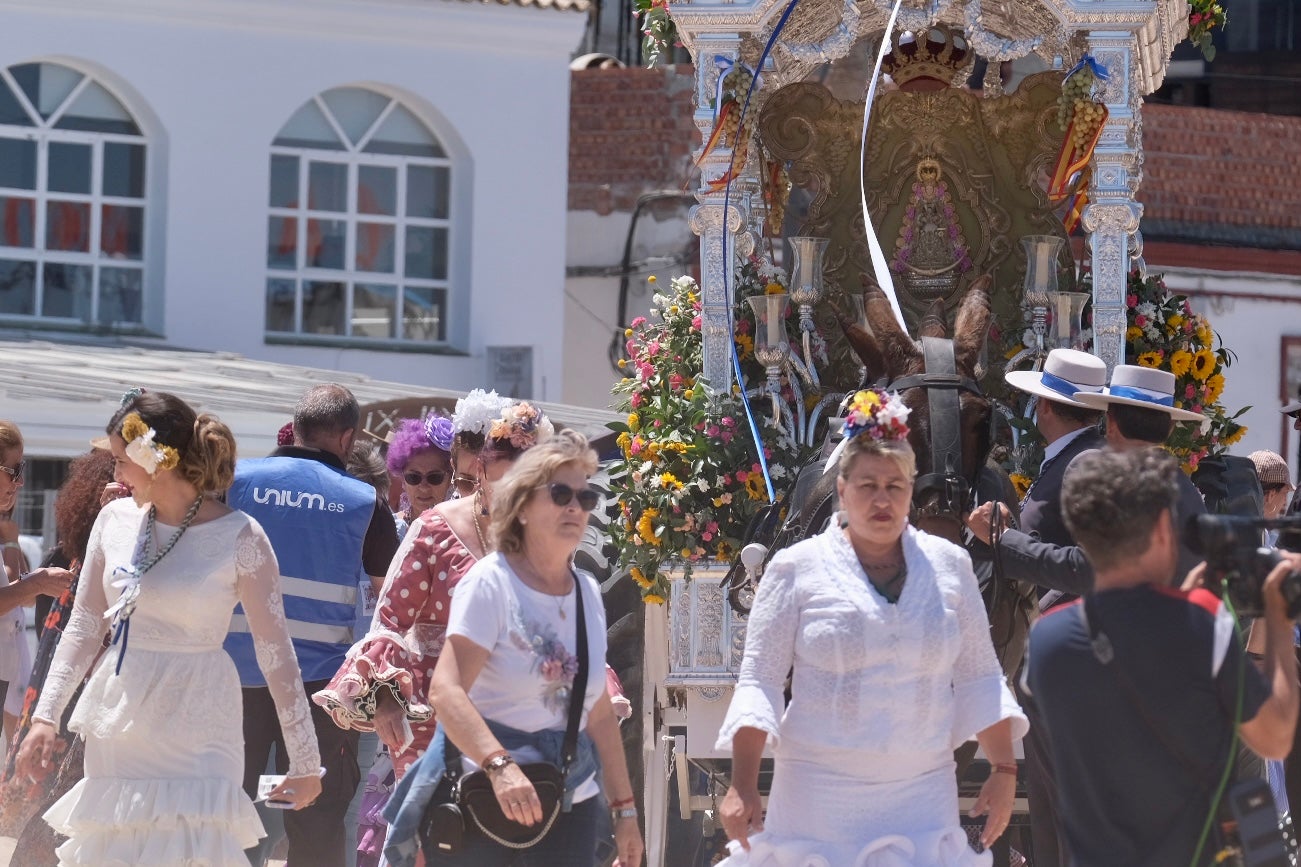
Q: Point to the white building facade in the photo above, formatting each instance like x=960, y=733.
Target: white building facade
x=373, y=187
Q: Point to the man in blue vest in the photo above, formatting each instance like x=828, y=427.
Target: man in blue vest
x=330, y=532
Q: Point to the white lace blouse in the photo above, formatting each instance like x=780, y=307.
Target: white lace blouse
x=891, y=688
x=174, y=660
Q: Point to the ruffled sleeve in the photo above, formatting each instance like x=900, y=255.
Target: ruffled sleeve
x=981, y=696
x=408, y=632
x=258, y=586
x=84, y=635
x=759, y=700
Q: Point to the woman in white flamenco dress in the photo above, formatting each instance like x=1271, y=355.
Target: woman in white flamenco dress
x=161, y=713
x=893, y=668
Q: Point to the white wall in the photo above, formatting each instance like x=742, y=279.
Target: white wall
x=1251, y=313
x=213, y=81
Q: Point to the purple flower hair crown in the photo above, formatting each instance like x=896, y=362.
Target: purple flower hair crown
x=439, y=430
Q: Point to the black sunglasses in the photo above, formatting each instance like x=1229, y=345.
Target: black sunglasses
x=465, y=485
x=15, y=474
x=562, y=494
x=434, y=477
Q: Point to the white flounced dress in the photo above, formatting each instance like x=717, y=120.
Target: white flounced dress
x=164, y=738
x=882, y=694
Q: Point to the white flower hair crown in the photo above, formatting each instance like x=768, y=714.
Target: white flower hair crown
x=476, y=412
x=878, y=415
x=141, y=448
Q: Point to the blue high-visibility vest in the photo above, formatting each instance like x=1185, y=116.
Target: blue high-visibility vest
x=316, y=517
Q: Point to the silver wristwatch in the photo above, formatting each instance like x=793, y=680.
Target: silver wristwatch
x=496, y=763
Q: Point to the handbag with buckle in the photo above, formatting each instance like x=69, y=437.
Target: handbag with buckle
x=465, y=804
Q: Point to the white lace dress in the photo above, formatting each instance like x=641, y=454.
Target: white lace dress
x=882, y=694
x=164, y=738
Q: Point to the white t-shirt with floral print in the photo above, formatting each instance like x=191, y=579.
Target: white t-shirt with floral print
x=531, y=663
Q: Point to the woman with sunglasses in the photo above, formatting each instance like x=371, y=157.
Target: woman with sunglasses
x=503, y=682
x=420, y=456
x=383, y=685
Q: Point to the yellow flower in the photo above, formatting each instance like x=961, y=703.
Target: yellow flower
x=1180, y=361
x=623, y=362
x=624, y=442
x=653, y=599
x=688, y=394
x=640, y=577
x=675, y=446
x=1173, y=324
x=170, y=458
x=1205, y=336
x=669, y=482
x=674, y=309
x=646, y=526
x=634, y=422
x=755, y=487
x=1214, y=388
x=1203, y=364
x=133, y=427
x=724, y=550
x=653, y=451
x=1149, y=359
x=774, y=289
x=1021, y=483
x=1234, y=437
x=652, y=279
x=1133, y=332
x=744, y=346
x=685, y=552
x=627, y=332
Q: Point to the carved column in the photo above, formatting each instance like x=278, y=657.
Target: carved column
x=1112, y=216
x=707, y=218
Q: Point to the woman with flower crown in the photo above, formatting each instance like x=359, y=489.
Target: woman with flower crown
x=420, y=455
x=383, y=685
x=160, y=715
x=893, y=668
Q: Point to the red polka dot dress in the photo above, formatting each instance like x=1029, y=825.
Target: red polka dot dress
x=405, y=638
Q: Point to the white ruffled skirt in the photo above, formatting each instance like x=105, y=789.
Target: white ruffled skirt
x=821, y=816
x=164, y=765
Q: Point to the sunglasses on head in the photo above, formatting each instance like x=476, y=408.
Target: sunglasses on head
x=15, y=473
x=433, y=477
x=562, y=494
x=465, y=485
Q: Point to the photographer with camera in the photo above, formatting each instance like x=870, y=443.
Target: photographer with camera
x=1146, y=688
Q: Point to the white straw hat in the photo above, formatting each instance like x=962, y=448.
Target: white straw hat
x=1067, y=374
x=1293, y=407
x=1144, y=387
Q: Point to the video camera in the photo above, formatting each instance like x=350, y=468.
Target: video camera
x=1235, y=558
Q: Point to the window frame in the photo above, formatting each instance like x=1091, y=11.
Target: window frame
x=43, y=133
x=353, y=157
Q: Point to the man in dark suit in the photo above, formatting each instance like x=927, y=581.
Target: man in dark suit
x=1070, y=428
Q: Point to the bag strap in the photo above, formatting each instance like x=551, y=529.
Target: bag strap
x=578, y=692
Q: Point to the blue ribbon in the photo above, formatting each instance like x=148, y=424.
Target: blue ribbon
x=1139, y=394
x=725, y=65
x=1099, y=71
x=1057, y=384
x=727, y=261
x=123, y=631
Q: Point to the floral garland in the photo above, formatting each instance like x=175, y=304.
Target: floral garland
x=878, y=415
x=141, y=448
x=689, y=481
x=1163, y=332
x=908, y=231
x=1203, y=17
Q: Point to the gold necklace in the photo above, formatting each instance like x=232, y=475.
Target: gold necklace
x=560, y=600
x=478, y=530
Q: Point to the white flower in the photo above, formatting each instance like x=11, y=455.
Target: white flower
x=143, y=453
x=894, y=410
x=1148, y=309
x=702, y=485
x=477, y=411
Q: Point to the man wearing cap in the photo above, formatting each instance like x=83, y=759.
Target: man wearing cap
x=1293, y=410
x=1042, y=552
x=1277, y=487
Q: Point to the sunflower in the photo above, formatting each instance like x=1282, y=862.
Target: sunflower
x=1205, y=336
x=744, y=346
x=1235, y=437
x=755, y=487
x=1132, y=333
x=653, y=599
x=774, y=289
x=640, y=577
x=1022, y=484
x=1173, y=324
x=724, y=550
x=646, y=526
x=1180, y=361
x=625, y=442
x=1214, y=388
x=1203, y=364
x=1149, y=359
x=669, y=482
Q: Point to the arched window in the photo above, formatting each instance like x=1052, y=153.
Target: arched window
x=358, y=239
x=72, y=199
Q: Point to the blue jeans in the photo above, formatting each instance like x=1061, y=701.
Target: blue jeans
x=571, y=842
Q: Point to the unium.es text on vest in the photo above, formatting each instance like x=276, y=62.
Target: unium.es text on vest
x=294, y=500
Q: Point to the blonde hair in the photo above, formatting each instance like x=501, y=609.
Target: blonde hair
x=532, y=470
x=893, y=450
x=205, y=445
x=10, y=436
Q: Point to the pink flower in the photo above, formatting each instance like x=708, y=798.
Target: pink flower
x=1197, y=407
x=711, y=526
x=1140, y=320
x=675, y=381
x=1190, y=391
x=727, y=479
x=728, y=421
x=657, y=423
x=1131, y=300
x=639, y=322
x=727, y=437
x=707, y=536
x=552, y=669
x=653, y=347
x=742, y=475
x=636, y=399
x=634, y=448
x=712, y=430
x=695, y=324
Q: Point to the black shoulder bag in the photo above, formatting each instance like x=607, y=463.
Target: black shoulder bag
x=466, y=804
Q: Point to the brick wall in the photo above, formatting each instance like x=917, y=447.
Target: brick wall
x=630, y=132
x=1209, y=176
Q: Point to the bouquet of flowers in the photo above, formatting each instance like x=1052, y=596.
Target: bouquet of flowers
x=659, y=33
x=1163, y=332
x=690, y=480
x=1203, y=17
